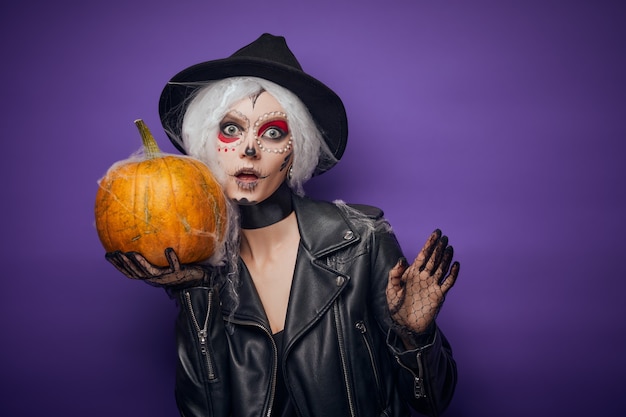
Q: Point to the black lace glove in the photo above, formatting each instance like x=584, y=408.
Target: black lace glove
x=135, y=266
x=416, y=292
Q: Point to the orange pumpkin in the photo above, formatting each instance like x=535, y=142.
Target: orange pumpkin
x=160, y=201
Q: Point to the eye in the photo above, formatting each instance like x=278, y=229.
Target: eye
x=275, y=130
x=273, y=133
x=229, y=132
x=231, y=129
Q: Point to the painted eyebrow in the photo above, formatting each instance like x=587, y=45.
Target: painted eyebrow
x=255, y=97
x=234, y=117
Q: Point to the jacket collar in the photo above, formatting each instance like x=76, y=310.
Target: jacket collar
x=323, y=230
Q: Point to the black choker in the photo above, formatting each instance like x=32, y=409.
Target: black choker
x=269, y=211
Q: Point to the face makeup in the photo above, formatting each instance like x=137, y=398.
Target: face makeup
x=254, y=146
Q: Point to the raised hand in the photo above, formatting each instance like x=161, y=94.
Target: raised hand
x=415, y=293
x=135, y=266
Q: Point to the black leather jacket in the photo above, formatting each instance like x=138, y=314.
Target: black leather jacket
x=340, y=357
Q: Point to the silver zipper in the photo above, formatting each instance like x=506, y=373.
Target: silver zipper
x=360, y=325
x=342, y=354
x=203, y=333
x=419, y=390
x=331, y=261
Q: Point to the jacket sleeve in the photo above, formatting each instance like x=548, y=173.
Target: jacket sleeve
x=426, y=376
x=202, y=373
x=430, y=371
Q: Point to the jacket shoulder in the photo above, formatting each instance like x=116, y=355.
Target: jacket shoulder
x=371, y=212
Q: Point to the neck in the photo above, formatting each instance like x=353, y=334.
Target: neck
x=269, y=211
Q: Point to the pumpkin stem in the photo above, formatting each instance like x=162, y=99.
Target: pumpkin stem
x=150, y=147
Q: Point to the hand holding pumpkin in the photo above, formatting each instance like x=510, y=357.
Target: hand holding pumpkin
x=158, y=215
x=136, y=266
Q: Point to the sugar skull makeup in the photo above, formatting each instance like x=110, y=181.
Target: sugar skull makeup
x=254, y=146
x=269, y=132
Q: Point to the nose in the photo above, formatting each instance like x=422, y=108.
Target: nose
x=250, y=149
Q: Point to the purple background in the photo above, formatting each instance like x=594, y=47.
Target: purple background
x=503, y=123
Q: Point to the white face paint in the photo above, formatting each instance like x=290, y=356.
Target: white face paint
x=254, y=148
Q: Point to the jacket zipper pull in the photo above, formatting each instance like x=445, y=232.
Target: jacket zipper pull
x=204, y=350
x=419, y=389
x=202, y=334
x=361, y=327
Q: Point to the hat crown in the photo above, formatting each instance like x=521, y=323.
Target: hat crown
x=270, y=48
x=269, y=58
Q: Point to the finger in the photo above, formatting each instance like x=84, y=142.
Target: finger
x=172, y=259
x=125, y=265
x=395, y=274
x=444, y=266
x=395, y=285
x=114, y=258
x=435, y=258
x=450, y=279
x=441, y=246
x=427, y=249
x=142, y=267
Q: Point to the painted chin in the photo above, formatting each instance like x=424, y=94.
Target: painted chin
x=246, y=185
x=244, y=201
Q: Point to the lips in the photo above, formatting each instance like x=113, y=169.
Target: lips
x=247, y=178
x=244, y=176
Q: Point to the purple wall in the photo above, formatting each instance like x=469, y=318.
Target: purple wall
x=503, y=123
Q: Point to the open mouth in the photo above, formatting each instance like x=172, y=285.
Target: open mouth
x=248, y=178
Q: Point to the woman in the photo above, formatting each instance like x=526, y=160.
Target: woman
x=314, y=312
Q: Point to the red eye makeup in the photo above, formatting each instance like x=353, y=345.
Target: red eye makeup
x=275, y=130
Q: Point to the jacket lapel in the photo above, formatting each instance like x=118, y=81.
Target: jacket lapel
x=316, y=285
x=252, y=308
x=323, y=228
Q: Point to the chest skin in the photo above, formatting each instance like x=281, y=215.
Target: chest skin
x=271, y=267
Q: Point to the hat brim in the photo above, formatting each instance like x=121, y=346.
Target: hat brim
x=325, y=106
